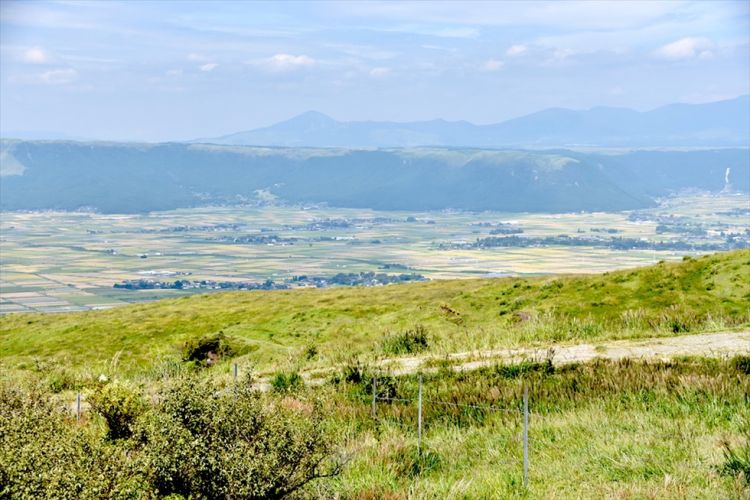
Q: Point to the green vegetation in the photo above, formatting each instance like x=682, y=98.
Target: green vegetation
x=672, y=429
x=600, y=429
x=706, y=293
x=132, y=178
x=159, y=419
x=193, y=443
x=411, y=341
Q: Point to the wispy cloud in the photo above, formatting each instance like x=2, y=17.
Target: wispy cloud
x=287, y=62
x=493, y=65
x=686, y=48
x=208, y=67
x=380, y=72
x=52, y=77
x=516, y=50
x=35, y=55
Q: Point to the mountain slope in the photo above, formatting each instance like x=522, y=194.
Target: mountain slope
x=722, y=123
x=116, y=177
x=664, y=299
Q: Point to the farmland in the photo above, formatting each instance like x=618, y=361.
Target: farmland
x=71, y=261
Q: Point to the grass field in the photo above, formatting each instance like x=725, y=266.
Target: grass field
x=267, y=329
x=615, y=429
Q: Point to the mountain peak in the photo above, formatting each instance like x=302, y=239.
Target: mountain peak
x=311, y=118
x=717, y=124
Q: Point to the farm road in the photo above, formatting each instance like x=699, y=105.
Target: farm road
x=721, y=344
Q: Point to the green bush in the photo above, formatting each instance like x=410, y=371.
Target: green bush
x=197, y=442
x=408, y=342
x=60, y=380
x=44, y=454
x=286, y=382
x=311, y=352
x=120, y=407
x=741, y=364
x=737, y=458
x=199, y=349
x=204, y=444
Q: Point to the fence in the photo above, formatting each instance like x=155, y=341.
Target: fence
x=420, y=400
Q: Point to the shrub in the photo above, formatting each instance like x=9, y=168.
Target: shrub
x=353, y=372
x=62, y=380
x=410, y=341
x=678, y=319
x=741, y=364
x=204, y=444
x=737, y=459
x=119, y=406
x=44, y=455
x=199, y=349
x=286, y=382
x=311, y=352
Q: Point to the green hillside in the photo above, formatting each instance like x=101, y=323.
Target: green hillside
x=137, y=178
x=267, y=328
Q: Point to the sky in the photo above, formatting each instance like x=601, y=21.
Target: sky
x=160, y=71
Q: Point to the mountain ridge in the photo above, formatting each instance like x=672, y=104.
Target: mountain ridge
x=723, y=123
x=132, y=178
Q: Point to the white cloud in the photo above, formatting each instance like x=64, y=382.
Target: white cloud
x=208, y=67
x=174, y=72
x=493, y=65
x=287, y=62
x=561, y=55
x=380, y=72
x=686, y=48
x=51, y=77
x=196, y=57
x=460, y=32
x=58, y=76
x=516, y=50
x=35, y=55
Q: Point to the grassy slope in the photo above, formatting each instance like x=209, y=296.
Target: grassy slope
x=627, y=429
x=459, y=314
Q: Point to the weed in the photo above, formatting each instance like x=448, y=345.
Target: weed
x=287, y=382
x=408, y=342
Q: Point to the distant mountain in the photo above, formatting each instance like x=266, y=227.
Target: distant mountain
x=40, y=135
x=716, y=124
x=117, y=177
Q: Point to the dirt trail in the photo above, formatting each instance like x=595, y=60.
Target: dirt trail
x=722, y=344
x=705, y=344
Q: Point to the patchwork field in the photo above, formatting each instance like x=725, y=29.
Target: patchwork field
x=70, y=261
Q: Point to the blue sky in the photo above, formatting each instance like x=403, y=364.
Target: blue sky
x=156, y=71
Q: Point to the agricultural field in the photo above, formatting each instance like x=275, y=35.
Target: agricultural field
x=71, y=261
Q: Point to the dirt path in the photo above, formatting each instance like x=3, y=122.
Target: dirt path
x=706, y=344
x=721, y=344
